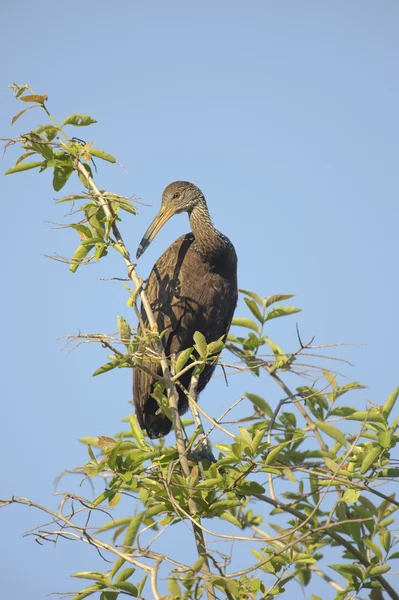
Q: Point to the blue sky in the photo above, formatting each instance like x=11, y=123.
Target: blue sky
x=284, y=114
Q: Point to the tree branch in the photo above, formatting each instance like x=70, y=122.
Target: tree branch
x=170, y=387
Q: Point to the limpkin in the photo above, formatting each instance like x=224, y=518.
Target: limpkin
x=192, y=287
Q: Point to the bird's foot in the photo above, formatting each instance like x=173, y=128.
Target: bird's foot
x=203, y=453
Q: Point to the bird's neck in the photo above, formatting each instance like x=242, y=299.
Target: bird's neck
x=209, y=240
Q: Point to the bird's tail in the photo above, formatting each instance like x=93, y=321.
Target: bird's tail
x=157, y=424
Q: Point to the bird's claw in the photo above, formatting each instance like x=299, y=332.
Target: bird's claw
x=201, y=454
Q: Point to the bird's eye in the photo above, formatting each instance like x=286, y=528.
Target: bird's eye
x=176, y=195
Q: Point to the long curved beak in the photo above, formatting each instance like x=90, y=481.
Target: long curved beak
x=163, y=215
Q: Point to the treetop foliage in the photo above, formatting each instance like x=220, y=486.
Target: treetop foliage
x=301, y=478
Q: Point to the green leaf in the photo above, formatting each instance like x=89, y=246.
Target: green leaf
x=253, y=307
x=91, y=453
x=21, y=112
x=226, y=516
x=141, y=585
x=114, y=523
x=43, y=148
x=260, y=403
x=63, y=161
x=82, y=229
x=244, y=322
x=390, y=402
x=208, y=484
x=274, y=452
x=137, y=433
x=350, y=496
x=49, y=131
x=267, y=567
x=71, y=198
x=92, y=241
x=304, y=559
x=106, y=443
x=216, y=347
x=87, y=591
x=226, y=585
x=39, y=98
x=370, y=506
x=82, y=177
x=21, y=89
x=124, y=331
x=23, y=156
x=366, y=415
x=182, y=359
x=94, y=575
x=252, y=295
x=281, y=311
x=347, y=569
x=125, y=574
x=24, y=167
x=198, y=564
x=277, y=298
x=132, y=531
x=258, y=437
x=245, y=435
x=117, y=565
x=127, y=207
x=353, y=385
x=105, y=368
x=313, y=395
x=331, y=465
x=331, y=379
x=101, y=250
x=387, y=522
x=373, y=547
x=78, y=120
x=101, y=154
x=119, y=248
x=379, y=570
x=61, y=176
x=250, y=488
x=126, y=586
x=80, y=253
x=162, y=401
x=303, y=577
x=277, y=351
x=95, y=216
x=93, y=441
x=174, y=588
x=109, y=595
x=332, y=431
x=385, y=539
x=385, y=438
x=201, y=345
x=369, y=459
x=290, y=475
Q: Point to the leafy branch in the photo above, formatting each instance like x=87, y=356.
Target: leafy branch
x=322, y=461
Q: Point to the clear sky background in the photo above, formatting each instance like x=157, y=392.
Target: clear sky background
x=285, y=114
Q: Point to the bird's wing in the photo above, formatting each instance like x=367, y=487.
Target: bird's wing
x=163, y=290
x=186, y=296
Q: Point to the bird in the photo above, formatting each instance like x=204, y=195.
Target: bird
x=192, y=287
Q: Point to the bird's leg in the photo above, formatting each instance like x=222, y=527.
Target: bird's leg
x=204, y=447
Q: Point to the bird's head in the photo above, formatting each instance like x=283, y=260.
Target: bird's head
x=178, y=197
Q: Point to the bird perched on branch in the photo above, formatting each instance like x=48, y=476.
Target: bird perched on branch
x=192, y=287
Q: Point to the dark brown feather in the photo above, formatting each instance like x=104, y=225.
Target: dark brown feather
x=188, y=292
